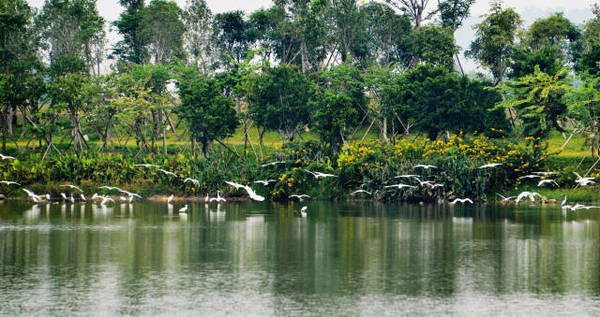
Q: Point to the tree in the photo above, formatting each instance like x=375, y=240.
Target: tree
x=279, y=100
x=539, y=100
x=584, y=106
x=416, y=9
x=590, y=50
x=339, y=105
x=495, y=40
x=349, y=32
x=71, y=28
x=434, y=99
x=232, y=36
x=452, y=14
x=524, y=61
x=197, y=18
x=389, y=35
x=210, y=114
x=161, y=26
x=132, y=47
x=435, y=45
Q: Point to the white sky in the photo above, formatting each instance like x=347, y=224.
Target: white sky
x=576, y=10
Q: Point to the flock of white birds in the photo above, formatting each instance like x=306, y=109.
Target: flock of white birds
x=77, y=194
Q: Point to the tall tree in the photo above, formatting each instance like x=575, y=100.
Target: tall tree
x=389, y=35
x=163, y=28
x=71, y=28
x=495, y=40
x=209, y=113
x=232, y=35
x=435, y=45
x=132, y=47
x=416, y=9
x=197, y=18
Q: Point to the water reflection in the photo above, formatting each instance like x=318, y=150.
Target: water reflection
x=262, y=259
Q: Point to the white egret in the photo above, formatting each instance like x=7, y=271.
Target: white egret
x=248, y=189
x=72, y=187
x=123, y=198
x=82, y=197
x=146, y=165
x=106, y=199
x=318, y=175
x=547, y=181
x=130, y=194
x=300, y=197
x=461, y=200
x=6, y=157
x=273, y=163
x=32, y=195
x=9, y=183
x=424, y=166
x=584, y=181
x=545, y=173
x=399, y=186
x=265, y=182
x=48, y=198
x=564, y=201
x=303, y=211
x=64, y=196
x=506, y=198
x=167, y=172
x=170, y=199
x=218, y=199
x=491, y=165
x=360, y=191
x=194, y=181
x=110, y=188
x=72, y=199
x=530, y=195
x=131, y=198
x=408, y=176
x=183, y=209
x=530, y=176
x=95, y=196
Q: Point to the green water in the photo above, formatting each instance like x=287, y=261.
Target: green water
x=261, y=259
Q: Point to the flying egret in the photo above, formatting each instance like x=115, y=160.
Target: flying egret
x=183, y=209
x=547, y=181
x=408, y=176
x=32, y=195
x=318, y=175
x=399, y=186
x=360, y=191
x=433, y=186
x=72, y=187
x=545, y=173
x=265, y=182
x=194, y=181
x=300, y=197
x=110, y=188
x=146, y=165
x=248, y=189
x=273, y=163
x=72, y=199
x=584, y=181
x=303, y=211
x=123, y=198
x=461, y=200
x=506, y=198
x=9, y=183
x=530, y=176
x=425, y=166
x=64, y=196
x=491, y=165
x=170, y=199
x=167, y=172
x=6, y=157
x=106, y=199
x=82, y=197
x=95, y=196
x=530, y=195
x=130, y=194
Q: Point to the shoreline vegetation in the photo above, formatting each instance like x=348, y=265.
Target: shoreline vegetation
x=370, y=166
x=333, y=100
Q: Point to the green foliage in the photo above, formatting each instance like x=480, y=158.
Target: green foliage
x=210, y=114
x=279, y=100
x=435, y=45
x=539, y=100
x=495, y=40
x=341, y=101
x=524, y=61
x=162, y=28
x=434, y=100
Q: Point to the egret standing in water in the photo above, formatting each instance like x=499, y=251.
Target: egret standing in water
x=303, y=211
x=183, y=209
x=170, y=199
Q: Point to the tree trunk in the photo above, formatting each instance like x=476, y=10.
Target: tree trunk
x=164, y=133
x=193, y=146
x=260, y=141
x=384, y=132
x=245, y=137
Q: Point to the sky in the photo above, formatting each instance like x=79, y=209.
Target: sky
x=576, y=10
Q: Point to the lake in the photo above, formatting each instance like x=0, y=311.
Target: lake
x=262, y=259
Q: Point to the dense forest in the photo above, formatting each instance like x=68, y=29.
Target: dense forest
x=344, y=71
